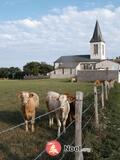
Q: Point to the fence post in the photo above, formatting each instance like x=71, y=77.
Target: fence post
x=96, y=107
x=78, y=124
x=106, y=90
x=102, y=96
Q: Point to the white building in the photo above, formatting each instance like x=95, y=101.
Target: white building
x=68, y=66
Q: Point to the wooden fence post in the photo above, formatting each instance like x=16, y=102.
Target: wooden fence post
x=78, y=124
x=96, y=107
x=106, y=90
x=102, y=96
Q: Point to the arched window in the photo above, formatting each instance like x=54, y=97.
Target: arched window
x=95, y=48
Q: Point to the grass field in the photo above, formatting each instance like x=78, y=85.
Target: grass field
x=17, y=144
x=110, y=146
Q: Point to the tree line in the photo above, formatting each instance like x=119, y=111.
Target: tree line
x=29, y=69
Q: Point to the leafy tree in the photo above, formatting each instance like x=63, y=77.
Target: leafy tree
x=31, y=68
x=11, y=73
x=45, y=68
x=36, y=68
x=4, y=72
x=118, y=57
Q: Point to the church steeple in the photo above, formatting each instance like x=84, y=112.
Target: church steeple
x=97, y=35
x=97, y=44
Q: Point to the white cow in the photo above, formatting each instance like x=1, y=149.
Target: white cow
x=54, y=100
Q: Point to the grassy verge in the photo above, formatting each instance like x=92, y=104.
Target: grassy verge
x=106, y=145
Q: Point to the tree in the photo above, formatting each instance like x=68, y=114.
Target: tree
x=45, y=68
x=36, y=68
x=4, y=72
x=31, y=68
x=11, y=73
x=118, y=57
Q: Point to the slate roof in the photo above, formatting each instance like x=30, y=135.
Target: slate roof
x=97, y=35
x=72, y=61
x=73, y=58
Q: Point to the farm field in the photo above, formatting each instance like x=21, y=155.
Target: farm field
x=17, y=144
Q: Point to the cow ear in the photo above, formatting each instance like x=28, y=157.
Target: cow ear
x=19, y=94
x=31, y=94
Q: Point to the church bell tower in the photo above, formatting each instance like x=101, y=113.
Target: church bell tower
x=97, y=44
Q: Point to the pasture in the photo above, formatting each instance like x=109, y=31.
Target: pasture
x=17, y=144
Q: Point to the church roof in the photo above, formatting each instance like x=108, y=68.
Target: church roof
x=73, y=58
x=97, y=35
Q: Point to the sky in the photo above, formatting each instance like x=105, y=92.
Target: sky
x=43, y=30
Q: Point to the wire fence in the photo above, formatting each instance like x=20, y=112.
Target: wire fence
x=38, y=117
x=88, y=105
x=21, y=124
x=40, y=154
x=46, y=114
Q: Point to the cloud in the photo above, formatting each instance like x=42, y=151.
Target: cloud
x=64, y=31
x=29, y=23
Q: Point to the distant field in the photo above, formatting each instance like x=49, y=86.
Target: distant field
x=18, y=145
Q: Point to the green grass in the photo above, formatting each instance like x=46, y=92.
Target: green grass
x=110, y=148
x=106, y=144
x=17, y=144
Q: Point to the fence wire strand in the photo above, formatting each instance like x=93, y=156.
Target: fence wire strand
x=39, y=155
x=88, y=108
x=88, y=121
x=21, y=124
x=67, y=152
x=46, y=114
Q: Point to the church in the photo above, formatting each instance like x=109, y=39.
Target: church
x=68, y=66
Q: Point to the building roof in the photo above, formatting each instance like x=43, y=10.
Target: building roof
x=73, y=58
x=97, y=35
x=72, y=61
x=110, y=60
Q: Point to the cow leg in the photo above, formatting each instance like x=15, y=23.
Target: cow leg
x=33, y=124
x=26, y=125
x=64, y=124
x=50, y=121
x=59, y=125
x=70, y=117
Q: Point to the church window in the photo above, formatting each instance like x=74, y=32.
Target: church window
x=95, y=48
x=103, y=49
x=70, y=70
x=63, y=71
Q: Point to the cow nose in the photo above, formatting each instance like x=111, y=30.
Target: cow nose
x=25, y=102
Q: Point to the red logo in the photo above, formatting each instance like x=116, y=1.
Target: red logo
x=53, y=148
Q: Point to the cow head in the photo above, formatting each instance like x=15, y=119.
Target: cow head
x=24, y=96
x=62, y=100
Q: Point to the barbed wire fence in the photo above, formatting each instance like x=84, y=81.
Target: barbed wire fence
x=64, y=155
x=91, y=105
